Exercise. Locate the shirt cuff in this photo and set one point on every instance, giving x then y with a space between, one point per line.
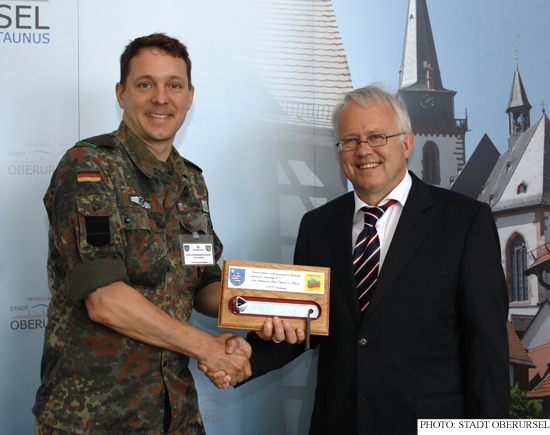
85 278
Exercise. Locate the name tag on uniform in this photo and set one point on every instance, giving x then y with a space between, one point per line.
197 250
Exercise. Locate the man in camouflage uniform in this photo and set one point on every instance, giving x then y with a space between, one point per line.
118 342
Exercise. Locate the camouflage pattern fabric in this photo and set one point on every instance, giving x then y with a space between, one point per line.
115 214
42 429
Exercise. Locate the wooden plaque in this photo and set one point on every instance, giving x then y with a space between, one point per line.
265 290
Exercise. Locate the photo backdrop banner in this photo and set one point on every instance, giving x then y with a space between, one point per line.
259 128
266 74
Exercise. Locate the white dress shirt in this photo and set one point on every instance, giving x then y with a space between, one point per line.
388 222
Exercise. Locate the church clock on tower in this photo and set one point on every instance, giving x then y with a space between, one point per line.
427 101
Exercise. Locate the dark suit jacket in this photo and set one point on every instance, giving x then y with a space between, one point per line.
433 341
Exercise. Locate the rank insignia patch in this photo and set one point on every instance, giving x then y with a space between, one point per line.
139 200
88 176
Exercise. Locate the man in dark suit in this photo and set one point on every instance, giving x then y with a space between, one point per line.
430 340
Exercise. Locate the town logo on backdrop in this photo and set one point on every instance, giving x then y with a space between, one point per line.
39 158
23 22
30 315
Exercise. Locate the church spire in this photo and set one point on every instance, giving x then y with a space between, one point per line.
518 106
419 67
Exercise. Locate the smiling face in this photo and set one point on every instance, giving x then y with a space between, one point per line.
374 172
156 98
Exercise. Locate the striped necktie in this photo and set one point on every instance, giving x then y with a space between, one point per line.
366 255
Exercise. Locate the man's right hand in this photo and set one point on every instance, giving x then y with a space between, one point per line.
281 330
228 363
274 329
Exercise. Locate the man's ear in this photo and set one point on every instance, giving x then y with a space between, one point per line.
119 90
191 95
408 143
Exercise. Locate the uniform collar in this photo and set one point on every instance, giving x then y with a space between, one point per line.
144 159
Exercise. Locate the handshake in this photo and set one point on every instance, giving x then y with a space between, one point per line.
229 362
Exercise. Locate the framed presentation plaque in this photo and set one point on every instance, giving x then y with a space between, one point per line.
252 292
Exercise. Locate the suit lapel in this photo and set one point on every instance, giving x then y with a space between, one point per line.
339 234
411 230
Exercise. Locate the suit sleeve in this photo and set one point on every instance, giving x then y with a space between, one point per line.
268 355
483 307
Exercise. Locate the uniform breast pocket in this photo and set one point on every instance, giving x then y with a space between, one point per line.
144 246
95 222
195 221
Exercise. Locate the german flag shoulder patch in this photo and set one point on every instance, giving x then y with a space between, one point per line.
88 176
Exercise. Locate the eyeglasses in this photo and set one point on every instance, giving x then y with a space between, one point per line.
374 140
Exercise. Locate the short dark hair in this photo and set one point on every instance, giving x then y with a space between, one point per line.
157 40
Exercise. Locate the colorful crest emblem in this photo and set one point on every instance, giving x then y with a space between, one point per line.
186 248
236 276
314 283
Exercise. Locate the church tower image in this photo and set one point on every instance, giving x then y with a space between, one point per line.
518 108
518 191
439 151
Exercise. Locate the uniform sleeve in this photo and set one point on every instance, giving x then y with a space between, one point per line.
86 237
210 275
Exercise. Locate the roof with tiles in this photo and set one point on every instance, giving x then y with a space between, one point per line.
525 164
478 167
541 390
518 354
518 96
521 322
540 356
298 55
537 333
419 54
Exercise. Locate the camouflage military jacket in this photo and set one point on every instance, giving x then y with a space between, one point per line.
115 214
